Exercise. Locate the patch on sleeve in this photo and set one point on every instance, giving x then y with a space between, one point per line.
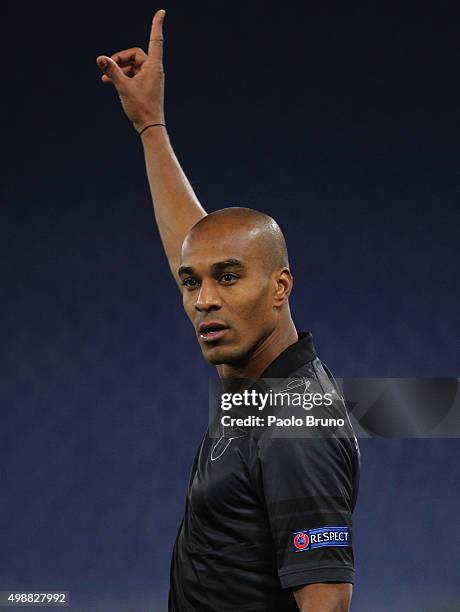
331 535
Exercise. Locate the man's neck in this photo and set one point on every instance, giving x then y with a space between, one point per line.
268 350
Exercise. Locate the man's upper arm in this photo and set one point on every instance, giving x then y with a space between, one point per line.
329 597
309 489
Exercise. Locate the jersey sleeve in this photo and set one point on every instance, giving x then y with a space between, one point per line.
308 488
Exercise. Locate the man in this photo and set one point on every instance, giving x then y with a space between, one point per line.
267 525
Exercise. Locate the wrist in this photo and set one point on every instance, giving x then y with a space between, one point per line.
154 136
140 124
151 127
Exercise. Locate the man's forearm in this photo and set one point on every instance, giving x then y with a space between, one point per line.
175 204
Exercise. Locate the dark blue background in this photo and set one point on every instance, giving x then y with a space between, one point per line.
342 122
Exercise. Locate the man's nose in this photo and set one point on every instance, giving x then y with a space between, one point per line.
208 297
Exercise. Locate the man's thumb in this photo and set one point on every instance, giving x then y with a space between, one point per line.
110 69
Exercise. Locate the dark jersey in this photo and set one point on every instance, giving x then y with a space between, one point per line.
267 514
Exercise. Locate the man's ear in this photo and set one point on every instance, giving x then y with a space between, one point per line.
284 282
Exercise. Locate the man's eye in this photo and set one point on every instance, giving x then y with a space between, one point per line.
228 277
190 283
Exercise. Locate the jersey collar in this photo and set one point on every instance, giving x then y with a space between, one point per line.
292 358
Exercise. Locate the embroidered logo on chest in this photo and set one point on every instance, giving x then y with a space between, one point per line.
224 442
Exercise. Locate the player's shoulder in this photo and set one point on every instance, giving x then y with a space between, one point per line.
313 400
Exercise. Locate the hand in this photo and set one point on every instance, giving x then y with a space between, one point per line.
139 77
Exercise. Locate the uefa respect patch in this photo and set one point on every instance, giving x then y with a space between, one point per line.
331 535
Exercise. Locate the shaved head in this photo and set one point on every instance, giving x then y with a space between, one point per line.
235 280
260 230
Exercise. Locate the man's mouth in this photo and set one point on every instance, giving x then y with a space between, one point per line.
212 331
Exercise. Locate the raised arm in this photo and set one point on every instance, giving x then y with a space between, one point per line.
139 81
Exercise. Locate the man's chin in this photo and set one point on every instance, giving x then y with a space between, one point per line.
219 355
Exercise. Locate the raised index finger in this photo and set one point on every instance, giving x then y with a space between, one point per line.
156 36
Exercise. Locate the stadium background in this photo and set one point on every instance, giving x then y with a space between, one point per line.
342 122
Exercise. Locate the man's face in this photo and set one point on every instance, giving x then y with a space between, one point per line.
228 292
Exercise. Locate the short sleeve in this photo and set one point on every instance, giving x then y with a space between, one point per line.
308 486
